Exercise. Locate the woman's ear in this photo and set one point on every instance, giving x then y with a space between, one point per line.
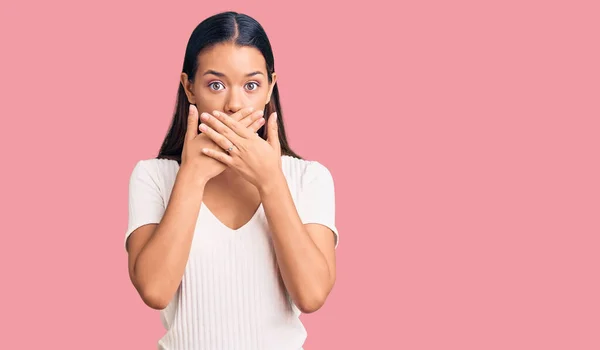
187 87
274 80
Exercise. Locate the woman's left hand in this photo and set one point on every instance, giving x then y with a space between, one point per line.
255 159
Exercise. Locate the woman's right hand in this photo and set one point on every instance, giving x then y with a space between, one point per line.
192 157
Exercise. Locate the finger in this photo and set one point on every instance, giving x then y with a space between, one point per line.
257 125
217 138
234 126
242 113
252 118
192 130
220 156
273 132
215 123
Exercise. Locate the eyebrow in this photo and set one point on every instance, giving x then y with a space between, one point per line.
219 74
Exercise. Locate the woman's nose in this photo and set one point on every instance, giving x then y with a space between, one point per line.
234 103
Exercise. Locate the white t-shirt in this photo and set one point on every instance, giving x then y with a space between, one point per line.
231 295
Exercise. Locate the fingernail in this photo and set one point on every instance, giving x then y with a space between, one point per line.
204 116
275 115
202 127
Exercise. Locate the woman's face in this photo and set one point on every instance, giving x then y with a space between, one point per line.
229 78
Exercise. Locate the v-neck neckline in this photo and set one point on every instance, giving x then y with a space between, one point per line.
248 223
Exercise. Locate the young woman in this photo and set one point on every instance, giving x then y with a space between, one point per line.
231 235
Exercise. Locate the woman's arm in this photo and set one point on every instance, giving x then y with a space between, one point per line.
158 253
305 252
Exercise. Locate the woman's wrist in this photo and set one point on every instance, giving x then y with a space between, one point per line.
273 184
188 173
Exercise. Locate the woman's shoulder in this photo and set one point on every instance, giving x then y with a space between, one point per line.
155 168
304 170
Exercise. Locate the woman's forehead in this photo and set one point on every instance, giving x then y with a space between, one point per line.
231 60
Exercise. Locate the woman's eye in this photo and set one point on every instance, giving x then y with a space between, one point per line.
215 85
255 85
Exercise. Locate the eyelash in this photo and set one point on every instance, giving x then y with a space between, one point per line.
218 82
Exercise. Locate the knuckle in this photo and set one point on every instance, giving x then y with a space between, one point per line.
224 143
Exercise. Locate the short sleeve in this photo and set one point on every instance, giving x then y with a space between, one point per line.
317 198
146 205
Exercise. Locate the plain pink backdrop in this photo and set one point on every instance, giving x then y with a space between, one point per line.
463 138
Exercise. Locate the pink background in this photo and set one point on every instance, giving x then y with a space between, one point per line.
463 138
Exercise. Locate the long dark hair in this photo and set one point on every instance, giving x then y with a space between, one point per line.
242 30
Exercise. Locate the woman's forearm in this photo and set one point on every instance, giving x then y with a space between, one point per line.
303 266
161 264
